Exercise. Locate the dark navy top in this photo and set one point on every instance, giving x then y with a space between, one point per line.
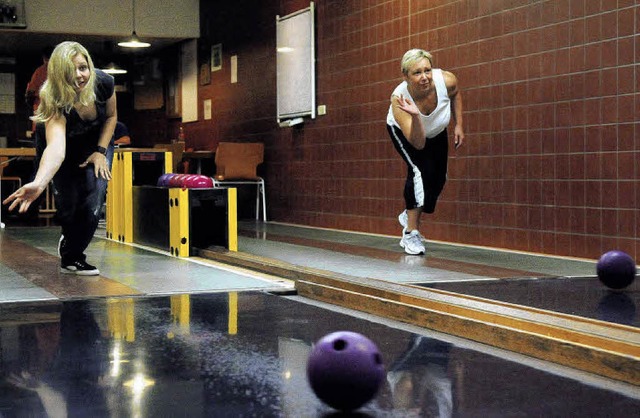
82 136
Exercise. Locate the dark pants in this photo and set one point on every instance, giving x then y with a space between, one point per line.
426 168
79 197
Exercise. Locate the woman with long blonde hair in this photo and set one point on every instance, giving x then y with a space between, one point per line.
74 128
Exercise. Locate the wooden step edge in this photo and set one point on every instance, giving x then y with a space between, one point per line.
523 321
559 315
551 324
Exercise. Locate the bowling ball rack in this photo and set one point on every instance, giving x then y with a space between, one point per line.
176 220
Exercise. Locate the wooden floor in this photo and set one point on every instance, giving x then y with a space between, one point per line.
43 270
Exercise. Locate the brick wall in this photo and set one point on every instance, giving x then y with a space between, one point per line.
552 113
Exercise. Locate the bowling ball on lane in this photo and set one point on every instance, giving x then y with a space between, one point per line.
345 370
616 269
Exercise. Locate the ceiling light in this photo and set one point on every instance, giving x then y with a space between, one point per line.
134 41
113 68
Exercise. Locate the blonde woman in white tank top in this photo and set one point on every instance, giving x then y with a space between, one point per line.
422 107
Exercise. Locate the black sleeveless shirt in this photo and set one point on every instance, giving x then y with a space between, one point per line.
82 136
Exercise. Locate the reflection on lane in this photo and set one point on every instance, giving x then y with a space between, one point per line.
585 296
229 354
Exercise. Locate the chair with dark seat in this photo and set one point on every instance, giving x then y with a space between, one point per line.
15 179
237 164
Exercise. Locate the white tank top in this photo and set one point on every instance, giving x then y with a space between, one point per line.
436 121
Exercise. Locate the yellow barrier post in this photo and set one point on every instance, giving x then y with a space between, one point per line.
232 218
110 198
127 198
114 207
179 222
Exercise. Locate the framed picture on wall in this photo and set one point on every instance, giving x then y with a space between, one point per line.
205 74
204 62
216 57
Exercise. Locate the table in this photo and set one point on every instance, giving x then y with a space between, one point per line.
133 149
17 152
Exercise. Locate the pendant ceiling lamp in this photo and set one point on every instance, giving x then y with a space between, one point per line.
113 68
134 41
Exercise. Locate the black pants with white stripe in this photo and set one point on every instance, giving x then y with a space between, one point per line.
426 168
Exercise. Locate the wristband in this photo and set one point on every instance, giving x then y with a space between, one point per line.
101 150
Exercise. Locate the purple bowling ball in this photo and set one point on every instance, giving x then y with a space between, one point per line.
345 370
616 269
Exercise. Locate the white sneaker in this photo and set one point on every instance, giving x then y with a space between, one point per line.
412 243
403 218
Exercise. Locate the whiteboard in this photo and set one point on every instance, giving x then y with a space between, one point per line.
295 61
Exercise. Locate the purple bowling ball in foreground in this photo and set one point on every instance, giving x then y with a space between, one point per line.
345 370
616 269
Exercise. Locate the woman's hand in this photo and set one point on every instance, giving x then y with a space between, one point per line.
100 165
408 106
24 196
24 380
458 135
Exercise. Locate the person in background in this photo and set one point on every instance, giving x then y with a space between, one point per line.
121 135
39 76
76 120
420 111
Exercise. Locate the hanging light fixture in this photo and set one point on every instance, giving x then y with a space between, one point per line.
134 41
113 68
111 58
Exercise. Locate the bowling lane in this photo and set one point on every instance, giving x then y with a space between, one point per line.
582 296
381 257
244 354
16 288
31 253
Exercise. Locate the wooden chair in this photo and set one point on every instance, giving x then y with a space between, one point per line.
236 164
3 162
177 149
